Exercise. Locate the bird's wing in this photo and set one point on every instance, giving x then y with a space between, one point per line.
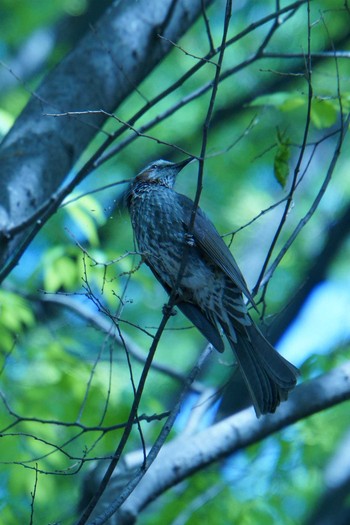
204 325
209 241
197 317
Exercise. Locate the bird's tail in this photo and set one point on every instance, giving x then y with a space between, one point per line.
268 375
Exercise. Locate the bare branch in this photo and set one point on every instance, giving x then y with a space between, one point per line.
298 164
186 455
313 206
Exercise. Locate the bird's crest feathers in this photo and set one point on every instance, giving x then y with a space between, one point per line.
159 172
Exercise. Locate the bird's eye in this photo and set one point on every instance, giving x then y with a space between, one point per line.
154 166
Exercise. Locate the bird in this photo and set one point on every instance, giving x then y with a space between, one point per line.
211 288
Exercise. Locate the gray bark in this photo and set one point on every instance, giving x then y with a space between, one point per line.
99 73
188 454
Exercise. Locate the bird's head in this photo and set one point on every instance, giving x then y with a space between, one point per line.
157 173
161 172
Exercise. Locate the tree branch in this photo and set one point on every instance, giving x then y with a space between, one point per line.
105 324
39 151
187 455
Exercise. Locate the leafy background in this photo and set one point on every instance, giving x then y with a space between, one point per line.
58 369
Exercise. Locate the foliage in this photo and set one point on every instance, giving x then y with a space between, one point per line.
66 382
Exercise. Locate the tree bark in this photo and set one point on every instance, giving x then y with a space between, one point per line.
110 61
187 455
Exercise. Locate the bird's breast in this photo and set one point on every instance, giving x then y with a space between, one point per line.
158 223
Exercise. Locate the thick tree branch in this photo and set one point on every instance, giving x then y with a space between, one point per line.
189 454
39 151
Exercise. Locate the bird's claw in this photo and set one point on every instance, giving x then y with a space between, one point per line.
168 310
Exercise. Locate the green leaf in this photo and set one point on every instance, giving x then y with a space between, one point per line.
61 274
272 99
345 100
15 316
323 113
294 102
60 270
15 312
281 160
285 101
323 110
6 121
87 213
93 207
85 223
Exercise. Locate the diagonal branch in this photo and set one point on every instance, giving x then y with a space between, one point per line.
38 152
187 455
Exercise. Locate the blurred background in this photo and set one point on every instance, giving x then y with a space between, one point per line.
64 372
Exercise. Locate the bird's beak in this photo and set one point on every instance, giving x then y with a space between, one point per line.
180 165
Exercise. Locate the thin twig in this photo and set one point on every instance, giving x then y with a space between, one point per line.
312 208
128 489
207 28
298 164
129 425
171 302
33 494
100 156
